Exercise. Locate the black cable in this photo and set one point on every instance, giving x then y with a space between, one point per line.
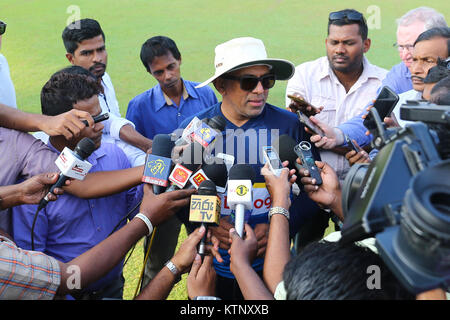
125 217
32 227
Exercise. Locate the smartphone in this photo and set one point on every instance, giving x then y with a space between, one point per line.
271 157
384 104
311 126
351 144
302 102
99 118
303 151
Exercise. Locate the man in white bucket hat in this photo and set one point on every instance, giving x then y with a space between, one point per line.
243 76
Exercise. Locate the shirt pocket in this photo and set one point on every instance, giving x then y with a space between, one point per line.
328 114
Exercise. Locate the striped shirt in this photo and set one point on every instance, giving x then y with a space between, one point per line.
26 275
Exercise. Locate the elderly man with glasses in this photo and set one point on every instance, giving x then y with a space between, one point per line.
410 26
341 83
7 91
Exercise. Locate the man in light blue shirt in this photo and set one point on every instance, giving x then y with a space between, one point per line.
7 91
161 110
67 228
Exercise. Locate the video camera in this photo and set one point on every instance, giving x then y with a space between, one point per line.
402 198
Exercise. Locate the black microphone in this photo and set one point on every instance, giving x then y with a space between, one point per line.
205 208
217 173
161 150
82 151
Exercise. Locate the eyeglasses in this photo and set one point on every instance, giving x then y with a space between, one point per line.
407 47
2 27
340 15
249 82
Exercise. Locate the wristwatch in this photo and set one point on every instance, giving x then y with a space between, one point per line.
173 268
278 210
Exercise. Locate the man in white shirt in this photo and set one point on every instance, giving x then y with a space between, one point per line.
84 41
343 82
7 91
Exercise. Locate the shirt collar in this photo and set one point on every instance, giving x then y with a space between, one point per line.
92 159
163 100
369 71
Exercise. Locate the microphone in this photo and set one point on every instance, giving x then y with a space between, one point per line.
239 195
209 129
187 132
191 160
158 163
205 208
72 165
216 172
285 146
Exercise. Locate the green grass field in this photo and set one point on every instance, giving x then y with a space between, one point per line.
293 30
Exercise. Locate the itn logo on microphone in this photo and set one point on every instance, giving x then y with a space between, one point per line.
241 190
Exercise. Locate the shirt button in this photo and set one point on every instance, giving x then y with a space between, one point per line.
98 229
179 114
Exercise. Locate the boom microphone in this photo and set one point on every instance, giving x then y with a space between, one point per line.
158 163
239 195
72 165
205 208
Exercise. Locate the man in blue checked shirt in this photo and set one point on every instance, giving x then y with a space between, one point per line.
161 110
71 226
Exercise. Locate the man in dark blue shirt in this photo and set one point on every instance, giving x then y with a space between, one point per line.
243 78
161 109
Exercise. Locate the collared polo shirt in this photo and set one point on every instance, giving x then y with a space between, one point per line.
7 91
154 113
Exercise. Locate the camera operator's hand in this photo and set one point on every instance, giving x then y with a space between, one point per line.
333 136
158 208
279 187
308 110
328 194
201 280
357 157
68 124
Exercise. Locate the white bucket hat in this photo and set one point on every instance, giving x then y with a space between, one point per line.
243 52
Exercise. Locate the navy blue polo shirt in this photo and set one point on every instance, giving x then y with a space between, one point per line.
245 144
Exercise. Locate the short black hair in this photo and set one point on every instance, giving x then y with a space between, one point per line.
435 33
156 47
332 271
440 94
438 72
64 89
78 31
363 30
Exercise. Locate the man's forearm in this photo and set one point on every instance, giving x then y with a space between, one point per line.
9 196
129 135
99 260
105 183
16 119
160 286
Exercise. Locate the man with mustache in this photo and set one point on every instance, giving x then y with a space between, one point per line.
69 227
342 82
84 41
429 46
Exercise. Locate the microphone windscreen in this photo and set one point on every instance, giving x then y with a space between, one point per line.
162 145
207 188
192 156
217 172
242 171
218 122
285 147
84 148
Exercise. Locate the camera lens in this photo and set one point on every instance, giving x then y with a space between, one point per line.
352 183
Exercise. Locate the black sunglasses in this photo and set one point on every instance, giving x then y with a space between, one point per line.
249 82
340 15
2 27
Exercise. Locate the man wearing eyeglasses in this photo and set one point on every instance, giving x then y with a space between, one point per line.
243 77
342 82
7 91
410 26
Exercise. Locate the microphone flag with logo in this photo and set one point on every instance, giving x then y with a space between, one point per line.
158 164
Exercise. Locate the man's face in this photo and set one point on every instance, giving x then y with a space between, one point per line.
245 104
92 106
166 70
406 36
345 48
91 54
424 57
